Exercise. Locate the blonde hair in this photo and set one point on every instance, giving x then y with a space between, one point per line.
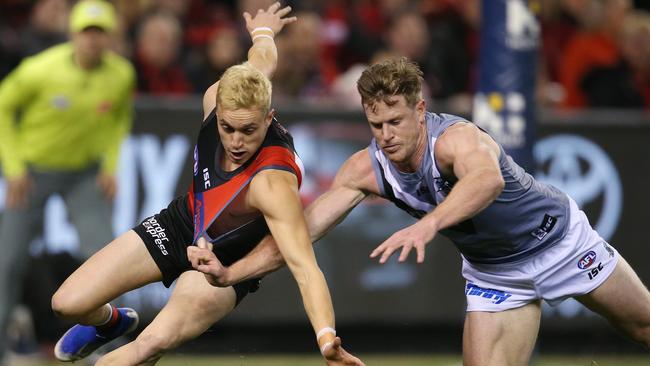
243 86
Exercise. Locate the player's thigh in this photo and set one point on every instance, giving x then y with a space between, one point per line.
623 300
121 266
193 307
504 338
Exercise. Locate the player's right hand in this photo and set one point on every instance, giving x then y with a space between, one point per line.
336 355
206 262
18 189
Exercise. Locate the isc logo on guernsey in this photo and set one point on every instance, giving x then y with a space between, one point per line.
157 233
587 260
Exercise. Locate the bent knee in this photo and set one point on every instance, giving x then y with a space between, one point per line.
69 305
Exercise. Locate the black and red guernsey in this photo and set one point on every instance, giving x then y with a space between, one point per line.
213 189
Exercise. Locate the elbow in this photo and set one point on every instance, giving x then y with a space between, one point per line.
497 184
305 275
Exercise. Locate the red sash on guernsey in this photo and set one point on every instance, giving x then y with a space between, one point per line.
212 190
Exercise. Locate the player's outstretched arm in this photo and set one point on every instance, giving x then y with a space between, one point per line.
263 54
471 156
263 27
275 194
353 182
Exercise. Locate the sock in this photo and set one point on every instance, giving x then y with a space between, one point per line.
110 323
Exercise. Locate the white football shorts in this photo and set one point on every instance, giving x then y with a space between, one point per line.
574 266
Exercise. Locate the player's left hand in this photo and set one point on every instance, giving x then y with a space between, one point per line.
205 261
108 185
415 236
273 17
336 355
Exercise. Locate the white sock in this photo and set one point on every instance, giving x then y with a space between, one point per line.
110 315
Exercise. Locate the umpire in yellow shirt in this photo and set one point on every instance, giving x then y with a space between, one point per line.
63 115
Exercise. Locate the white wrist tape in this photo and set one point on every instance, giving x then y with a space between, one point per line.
262 36
261 29
325 331
325 347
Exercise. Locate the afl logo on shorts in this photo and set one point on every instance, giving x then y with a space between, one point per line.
587 260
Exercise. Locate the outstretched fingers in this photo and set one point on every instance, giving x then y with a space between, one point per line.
274 7
385 249
284 11
289 20
392 244
420 252
405 252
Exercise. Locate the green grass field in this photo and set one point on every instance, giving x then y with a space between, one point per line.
370 360
396 360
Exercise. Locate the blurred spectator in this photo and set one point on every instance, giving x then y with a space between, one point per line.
560 20
63 115
627 83
592 48
223 50
302 73
157 56
365 23
407 35
344 88
47 26
446 52
578 36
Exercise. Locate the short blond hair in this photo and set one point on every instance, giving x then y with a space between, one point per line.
243 86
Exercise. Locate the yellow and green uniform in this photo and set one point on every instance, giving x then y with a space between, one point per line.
56 116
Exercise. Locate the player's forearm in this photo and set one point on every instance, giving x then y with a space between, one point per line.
316 298
263 54
321 216
470 195
262 260
329 210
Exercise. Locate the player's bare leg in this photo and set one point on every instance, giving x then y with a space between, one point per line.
193 307
121 266
503 338
624 301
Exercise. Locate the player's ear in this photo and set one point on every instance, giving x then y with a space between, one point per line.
269 117
421 108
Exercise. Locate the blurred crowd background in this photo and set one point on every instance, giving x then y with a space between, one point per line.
595 53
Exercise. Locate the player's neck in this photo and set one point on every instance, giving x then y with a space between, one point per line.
413 164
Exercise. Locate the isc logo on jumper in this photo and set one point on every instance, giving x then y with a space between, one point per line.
488 293
587 260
